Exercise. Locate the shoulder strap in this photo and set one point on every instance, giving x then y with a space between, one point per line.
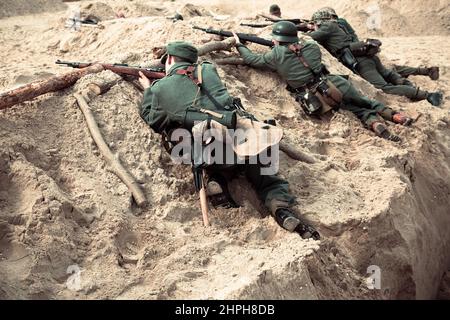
296 48
190 73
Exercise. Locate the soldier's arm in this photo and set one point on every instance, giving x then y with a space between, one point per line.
265 60
151 112
320 35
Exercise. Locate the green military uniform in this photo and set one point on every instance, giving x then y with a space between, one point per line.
286 63
334 39
403 71
167 101
348 29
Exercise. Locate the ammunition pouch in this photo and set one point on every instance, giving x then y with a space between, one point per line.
225 118
359 49
367 48
319 98
347 58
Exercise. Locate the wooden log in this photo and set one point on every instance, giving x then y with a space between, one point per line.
101 87
209 47
296 154
114 163
226 44
35 89
230 61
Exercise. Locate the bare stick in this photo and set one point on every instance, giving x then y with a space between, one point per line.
112 161
209 47
230 60
226 44
204 202
296 154
35 89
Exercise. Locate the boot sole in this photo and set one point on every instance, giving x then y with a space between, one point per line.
291 223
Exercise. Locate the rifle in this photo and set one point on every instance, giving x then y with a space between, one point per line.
119 68
244 37
303 27
255 25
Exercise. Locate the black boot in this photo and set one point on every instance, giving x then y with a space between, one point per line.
435 98
382 131
287 220
433 73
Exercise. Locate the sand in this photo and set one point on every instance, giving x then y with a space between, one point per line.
69 227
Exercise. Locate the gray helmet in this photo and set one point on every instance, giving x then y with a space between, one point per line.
321 15
274 9
330 11
285 31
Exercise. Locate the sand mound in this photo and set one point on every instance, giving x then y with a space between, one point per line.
10 8
69 228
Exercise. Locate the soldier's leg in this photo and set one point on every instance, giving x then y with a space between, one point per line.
390 75
406 71
371 112
274 192
271 189
367 69
364 108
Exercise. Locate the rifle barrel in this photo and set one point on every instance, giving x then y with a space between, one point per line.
245 37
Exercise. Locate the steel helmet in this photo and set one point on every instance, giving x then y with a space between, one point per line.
285 31
330 11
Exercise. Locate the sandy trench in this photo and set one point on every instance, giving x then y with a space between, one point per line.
62 210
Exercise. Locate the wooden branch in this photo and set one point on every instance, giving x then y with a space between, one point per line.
209 47
101 87
226 44
35 89
296 154
229 61
112 161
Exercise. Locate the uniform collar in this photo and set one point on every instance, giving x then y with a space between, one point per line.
178 65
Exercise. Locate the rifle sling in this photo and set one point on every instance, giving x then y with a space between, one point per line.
190 73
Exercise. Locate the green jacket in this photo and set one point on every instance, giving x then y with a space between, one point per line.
289 67
348 29
332 37
167 100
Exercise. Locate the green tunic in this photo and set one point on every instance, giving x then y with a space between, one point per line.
167 100
282 60
164 108
404 71
348 29
334 38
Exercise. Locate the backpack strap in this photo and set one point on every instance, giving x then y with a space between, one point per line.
296 48
198 81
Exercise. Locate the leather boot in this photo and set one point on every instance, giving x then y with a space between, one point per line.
402 119
382 131
435 98
288 221
433 73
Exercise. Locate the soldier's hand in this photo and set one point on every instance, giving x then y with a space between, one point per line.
238 41
144 81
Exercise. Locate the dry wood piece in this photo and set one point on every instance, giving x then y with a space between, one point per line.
101 87
226 44
35 89
112 161
209 47
296 154
230 60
